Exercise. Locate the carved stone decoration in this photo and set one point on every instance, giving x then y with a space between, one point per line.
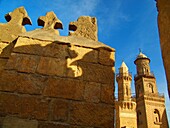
50 21
85 26
16 21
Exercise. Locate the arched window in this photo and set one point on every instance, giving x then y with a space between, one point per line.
151 88
126 90
128 106
156 116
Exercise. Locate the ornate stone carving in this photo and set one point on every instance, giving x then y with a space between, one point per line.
16 21
50 21
85 26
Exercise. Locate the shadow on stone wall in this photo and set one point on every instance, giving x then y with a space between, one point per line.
55 83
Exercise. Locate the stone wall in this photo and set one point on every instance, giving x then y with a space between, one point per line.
53 81
164 33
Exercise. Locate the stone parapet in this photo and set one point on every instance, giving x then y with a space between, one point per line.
54 81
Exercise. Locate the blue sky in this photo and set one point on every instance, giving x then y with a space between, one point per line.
124 25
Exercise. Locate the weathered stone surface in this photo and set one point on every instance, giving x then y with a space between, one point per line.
106 57
24 106
34 108
14 122
96 72
85 26
89 114
50 21
9 104
6 49
16 19
64 88
42 48
60 110
107 93
52 66
83 54
22 83
52 125
49 35
2 47
23 62
80 127
56 80
164 33
92 92
79 54
30 46
2 63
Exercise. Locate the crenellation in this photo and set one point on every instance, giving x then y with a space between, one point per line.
50 21
16 19
85 26
48 80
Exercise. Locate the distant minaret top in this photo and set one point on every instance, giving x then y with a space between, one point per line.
123 68
142 64
141 55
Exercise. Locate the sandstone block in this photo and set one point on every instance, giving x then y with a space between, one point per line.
83 54
51 66
34 108
6 49
94 115
52 125
9 104
96 72
42 48
8 81
92 92
60 110
106 57
27 107
3 63
1 121
14 122
30 84
79 54
80 127
17 19
85 26
107 93
64 88
3 46
30 46
22 83
22 62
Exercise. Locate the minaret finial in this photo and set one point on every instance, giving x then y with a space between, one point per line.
140 50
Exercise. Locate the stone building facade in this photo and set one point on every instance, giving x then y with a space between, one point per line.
126 105
151 112
53 81
164 33
147 109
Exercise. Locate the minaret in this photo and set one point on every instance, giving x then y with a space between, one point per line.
125 106
150 104
124 79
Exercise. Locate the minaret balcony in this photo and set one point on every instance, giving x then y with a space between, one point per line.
131 98
124 74
160 95
150 74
